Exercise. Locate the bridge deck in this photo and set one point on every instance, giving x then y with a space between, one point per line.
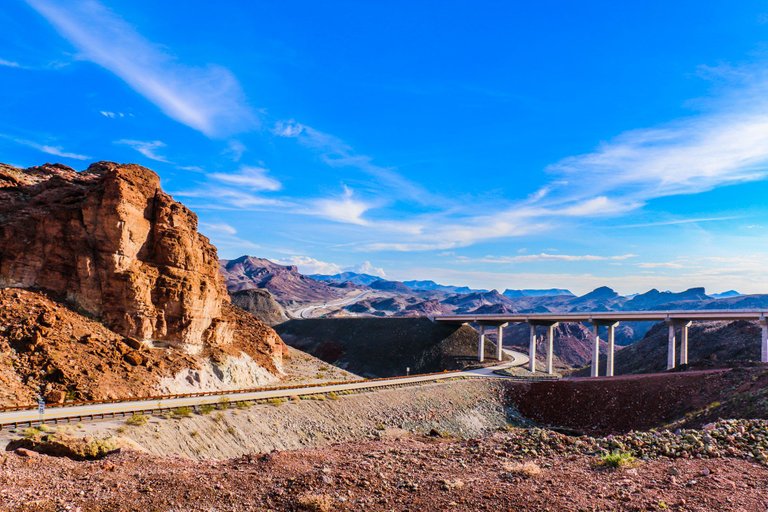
614 316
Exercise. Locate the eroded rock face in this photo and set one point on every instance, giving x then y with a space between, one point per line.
109 240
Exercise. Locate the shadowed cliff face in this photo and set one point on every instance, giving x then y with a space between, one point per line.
109 240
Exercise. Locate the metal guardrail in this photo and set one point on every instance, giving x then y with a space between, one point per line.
16 408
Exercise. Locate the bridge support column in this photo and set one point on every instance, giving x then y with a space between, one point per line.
595 371
532 349
684 341
671 342
611 348
550 347
500 342
764 340
481 345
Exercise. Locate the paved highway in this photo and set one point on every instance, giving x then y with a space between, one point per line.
108 409
306 312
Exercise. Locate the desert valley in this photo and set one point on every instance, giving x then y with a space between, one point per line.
383 256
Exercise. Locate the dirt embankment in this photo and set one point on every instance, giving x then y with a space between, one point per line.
464 408
641 402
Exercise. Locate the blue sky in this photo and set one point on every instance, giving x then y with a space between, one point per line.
493 144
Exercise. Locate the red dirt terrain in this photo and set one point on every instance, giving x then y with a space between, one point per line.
408 474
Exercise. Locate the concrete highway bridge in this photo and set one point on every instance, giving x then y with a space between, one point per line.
676 320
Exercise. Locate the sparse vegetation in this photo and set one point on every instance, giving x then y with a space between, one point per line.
218 417
315 503
181 412
616 460
333 396
137 420
223 404
206 409
242 405
276 401
524 469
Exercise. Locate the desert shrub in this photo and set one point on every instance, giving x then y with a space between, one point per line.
194 433
333 396
137 420
223 404
524 469
276 401
30 433
181 412
206 409
218 417
616 459
231 430
242 405
315 503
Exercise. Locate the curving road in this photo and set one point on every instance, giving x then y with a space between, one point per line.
115 408
306 312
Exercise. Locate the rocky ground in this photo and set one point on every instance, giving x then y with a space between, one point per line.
510 470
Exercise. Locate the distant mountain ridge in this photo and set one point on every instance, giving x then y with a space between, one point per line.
537 293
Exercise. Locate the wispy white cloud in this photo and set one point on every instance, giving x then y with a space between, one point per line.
254 178
9 64
114 115
345 208
309 265
224 198
148 148
337 153
225 239
46 148
218 228
676 222
235 149
367 267
208 99
528 258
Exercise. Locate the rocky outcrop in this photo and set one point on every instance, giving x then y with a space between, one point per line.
107 290
261 304
109 240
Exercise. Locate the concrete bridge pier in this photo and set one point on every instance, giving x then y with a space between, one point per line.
532 349
671 342
500 341
481 344
684 341
764 344
550 347
549 341
595 371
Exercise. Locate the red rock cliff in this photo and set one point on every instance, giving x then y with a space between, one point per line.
109 240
